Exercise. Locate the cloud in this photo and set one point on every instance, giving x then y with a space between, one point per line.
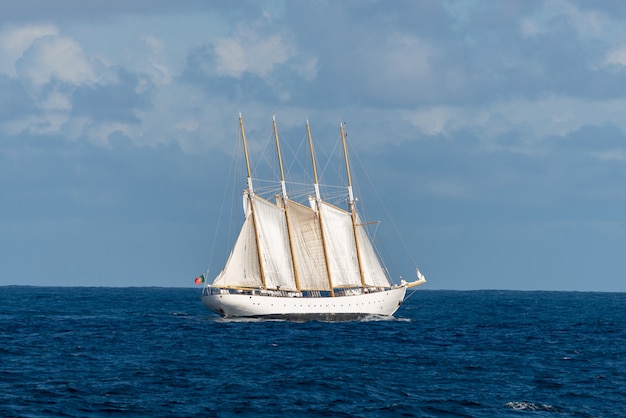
15 40
55 57
150 60
540 48
521 126
251 52
612 155
71 93
541 59
257 63
616 57
47 66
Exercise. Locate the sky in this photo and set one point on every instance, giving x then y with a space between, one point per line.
494 132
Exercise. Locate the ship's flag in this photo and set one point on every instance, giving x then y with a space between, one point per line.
200 279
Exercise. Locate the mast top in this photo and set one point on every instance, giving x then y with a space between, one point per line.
316 185
280 159
345 154
245 150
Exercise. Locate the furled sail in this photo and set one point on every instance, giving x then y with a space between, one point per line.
306 240
339 238
373 272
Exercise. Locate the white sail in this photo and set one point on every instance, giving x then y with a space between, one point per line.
339 238
242 268
373 272
274 244
306 240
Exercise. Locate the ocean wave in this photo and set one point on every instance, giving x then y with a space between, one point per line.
531 406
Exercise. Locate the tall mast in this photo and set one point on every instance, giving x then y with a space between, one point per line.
317 186
251 201
319 211
351 203
284 198
245 151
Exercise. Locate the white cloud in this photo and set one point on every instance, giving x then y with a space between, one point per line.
188 125
595 29
56 101
251 52
616 57
15 40
154 63
231 58
34 55
531 121
559 116
57 57
613 155
431 121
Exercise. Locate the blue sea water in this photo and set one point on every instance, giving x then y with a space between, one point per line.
159 352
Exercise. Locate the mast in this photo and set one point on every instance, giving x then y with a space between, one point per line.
284 198
351 203
251 200
317 186
319 212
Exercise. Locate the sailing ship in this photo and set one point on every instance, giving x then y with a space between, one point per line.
296 260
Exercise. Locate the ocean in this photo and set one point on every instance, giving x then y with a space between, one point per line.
91 352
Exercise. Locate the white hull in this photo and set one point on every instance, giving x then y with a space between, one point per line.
384 303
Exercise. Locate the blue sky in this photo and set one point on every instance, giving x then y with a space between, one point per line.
494 131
